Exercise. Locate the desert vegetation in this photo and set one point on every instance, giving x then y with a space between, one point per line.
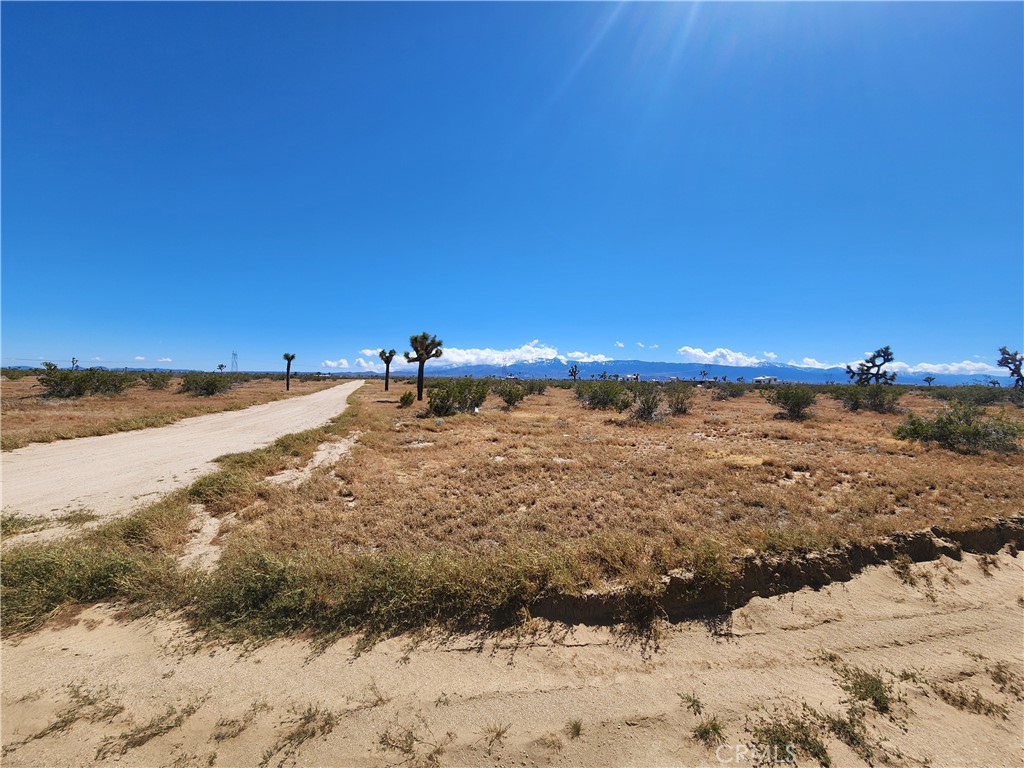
485 513
149 399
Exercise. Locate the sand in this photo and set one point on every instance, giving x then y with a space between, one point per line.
223 706
113 474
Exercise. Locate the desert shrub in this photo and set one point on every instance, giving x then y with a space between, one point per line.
679 396
964 428
206 384
727 389
880 398
13 374
448 396
156 379
647 400
510 392
604 394
535 387
793 399
93 381
406 400
975 394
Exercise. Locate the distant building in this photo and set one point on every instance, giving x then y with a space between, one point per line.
765 380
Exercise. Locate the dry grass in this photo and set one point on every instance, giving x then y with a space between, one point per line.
465 522
30 418
624 496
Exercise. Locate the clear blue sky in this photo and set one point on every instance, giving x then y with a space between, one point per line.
812 180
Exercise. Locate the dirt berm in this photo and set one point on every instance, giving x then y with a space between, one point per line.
684 595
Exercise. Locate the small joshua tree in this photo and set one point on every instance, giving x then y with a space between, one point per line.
386 358
574 372
871 370
928 380
288 357
426 348
221 367
1012 361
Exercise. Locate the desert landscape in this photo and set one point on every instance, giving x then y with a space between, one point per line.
522 384
541 583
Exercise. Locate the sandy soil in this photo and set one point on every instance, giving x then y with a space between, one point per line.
113 474
97 691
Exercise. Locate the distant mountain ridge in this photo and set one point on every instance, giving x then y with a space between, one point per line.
648 370
663 371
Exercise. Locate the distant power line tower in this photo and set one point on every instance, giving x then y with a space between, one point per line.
234 362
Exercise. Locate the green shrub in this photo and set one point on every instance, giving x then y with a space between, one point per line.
448 396
156 379
406 400
13 374
880 398
726 390
604 395
793 399
535 387
93 381
206 384
647 400
964 428
976 394
510 392
679 396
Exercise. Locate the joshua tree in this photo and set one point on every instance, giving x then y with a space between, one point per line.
870 370
288 357
574 372
928 380
1012 361
221 367
386 358
426 348
74 363
704 375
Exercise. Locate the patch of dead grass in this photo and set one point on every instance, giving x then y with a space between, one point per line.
630 496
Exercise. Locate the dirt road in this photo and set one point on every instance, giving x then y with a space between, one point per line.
947 648
113 474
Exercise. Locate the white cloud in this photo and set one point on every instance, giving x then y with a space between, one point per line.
619 344
966 368
770 356
528 353
341 362
653 346
369 352
640 344
97 359
810 362
165 360
139 357
720 356
584 357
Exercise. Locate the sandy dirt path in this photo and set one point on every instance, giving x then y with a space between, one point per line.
113 474
99 691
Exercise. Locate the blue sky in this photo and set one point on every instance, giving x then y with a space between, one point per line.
713 182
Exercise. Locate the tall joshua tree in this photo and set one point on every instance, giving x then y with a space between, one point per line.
288 357
871 369
426 348
928 380
386 358
574 372
1012 361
